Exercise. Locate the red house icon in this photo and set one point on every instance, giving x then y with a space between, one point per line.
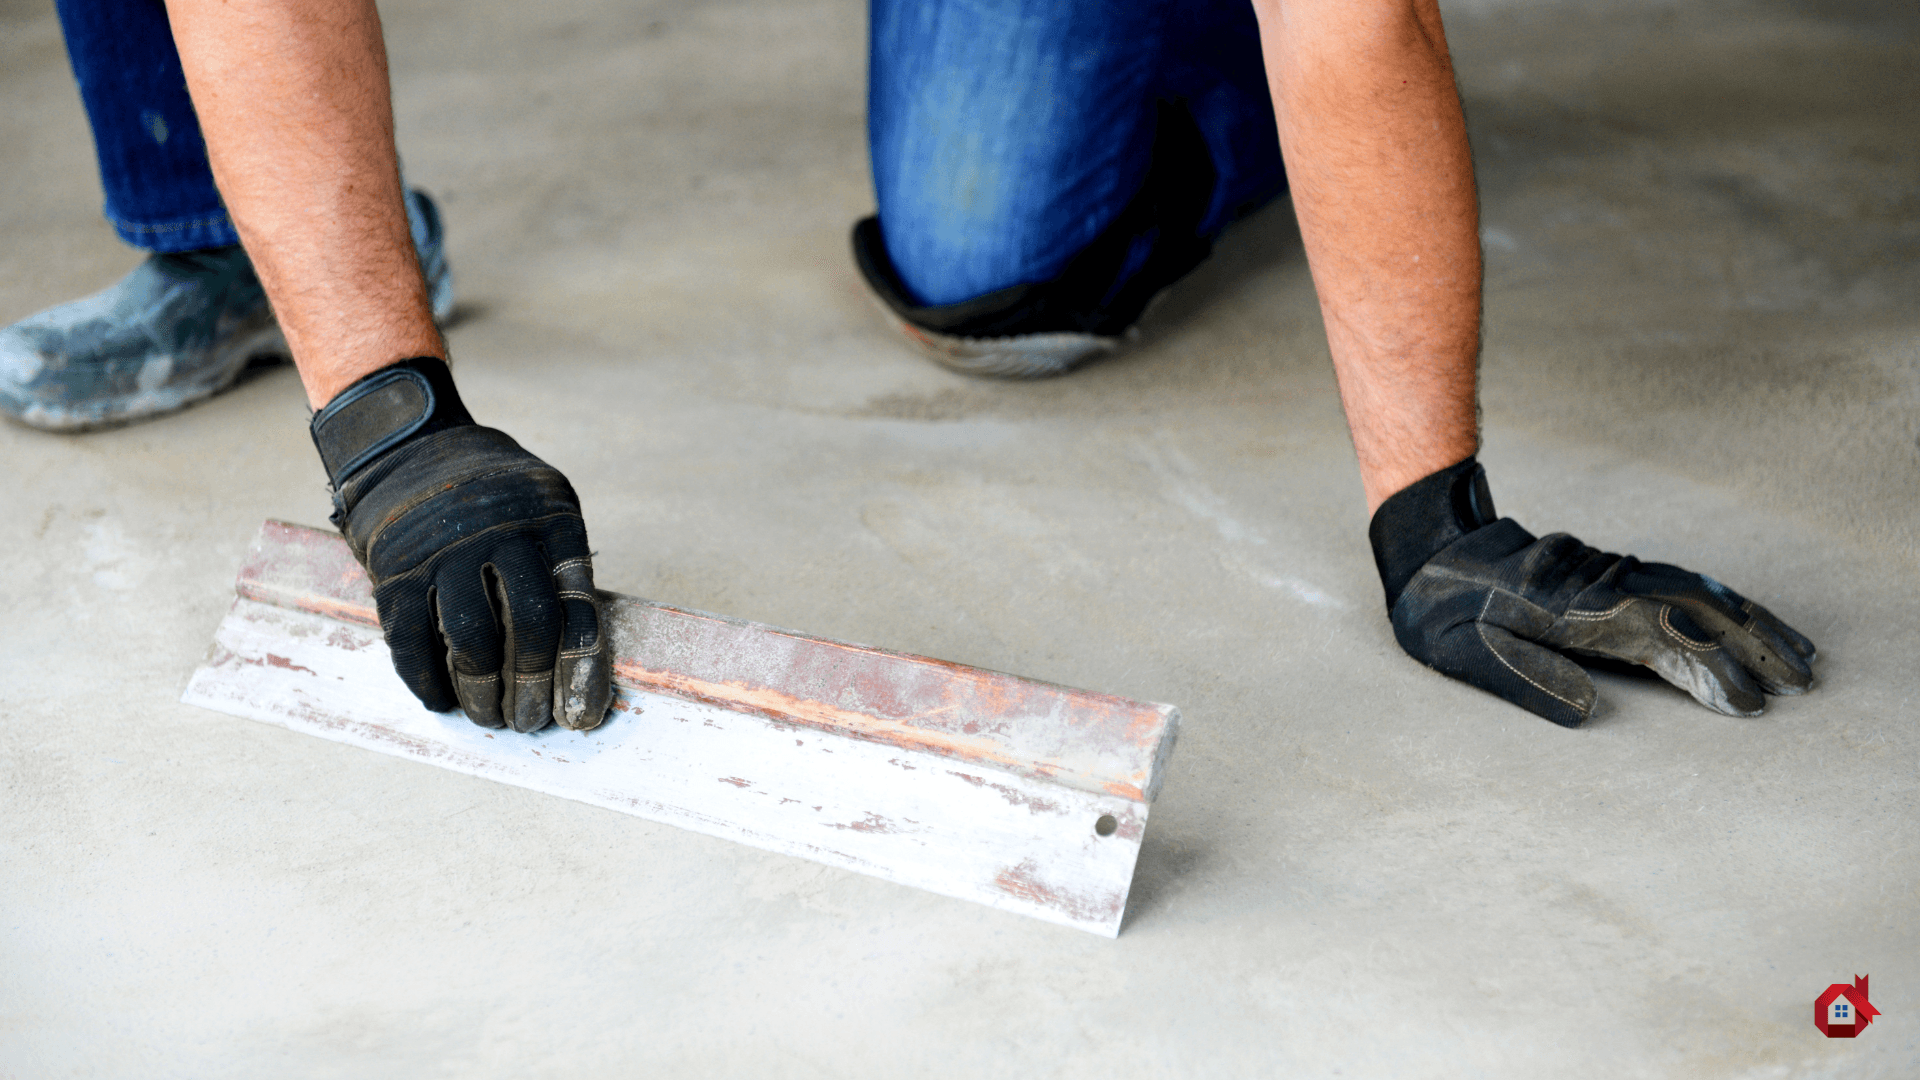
1843 1011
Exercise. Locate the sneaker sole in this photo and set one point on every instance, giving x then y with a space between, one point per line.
1024 356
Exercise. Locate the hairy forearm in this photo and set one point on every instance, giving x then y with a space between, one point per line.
293 98
1382 180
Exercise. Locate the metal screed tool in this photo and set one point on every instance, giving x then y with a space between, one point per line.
1018 794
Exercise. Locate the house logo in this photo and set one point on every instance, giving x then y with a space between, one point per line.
1843 1011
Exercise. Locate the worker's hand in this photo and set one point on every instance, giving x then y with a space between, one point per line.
476 549
1479 598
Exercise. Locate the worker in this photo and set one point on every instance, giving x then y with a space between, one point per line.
1042 171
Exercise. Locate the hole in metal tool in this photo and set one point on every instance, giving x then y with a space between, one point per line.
1106 825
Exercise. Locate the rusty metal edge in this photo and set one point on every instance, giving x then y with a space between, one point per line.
1152 727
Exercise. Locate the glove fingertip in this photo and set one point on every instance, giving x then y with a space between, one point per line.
531 707
434 698
1800 642
583 676
1737 697
1795 680
480 697
1566 715
1706 671
1535 677
416 655
1558 707
1528 674
582 692
1717 691
1728 706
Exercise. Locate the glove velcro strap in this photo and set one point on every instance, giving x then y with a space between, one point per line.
383 410
1420 520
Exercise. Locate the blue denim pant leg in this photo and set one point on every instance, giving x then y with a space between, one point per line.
153 160
1006 136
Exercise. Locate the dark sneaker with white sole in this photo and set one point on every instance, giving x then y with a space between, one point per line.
1007 333
1095 303
181 327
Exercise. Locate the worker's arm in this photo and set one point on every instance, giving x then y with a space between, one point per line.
476 548
1376 151
293 98
1382 181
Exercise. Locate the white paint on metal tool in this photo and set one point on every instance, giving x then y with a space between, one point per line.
1005 818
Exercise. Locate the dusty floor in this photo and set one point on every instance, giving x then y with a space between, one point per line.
1703 227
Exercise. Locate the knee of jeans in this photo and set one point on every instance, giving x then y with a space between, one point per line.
964 199
948 251
973 135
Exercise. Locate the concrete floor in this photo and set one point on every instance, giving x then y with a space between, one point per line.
1703 224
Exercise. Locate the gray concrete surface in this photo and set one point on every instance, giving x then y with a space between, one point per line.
1702 223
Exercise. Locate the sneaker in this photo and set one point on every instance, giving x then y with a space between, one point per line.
1004 334
181 327
1094 305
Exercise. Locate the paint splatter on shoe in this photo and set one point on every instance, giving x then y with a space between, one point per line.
178 329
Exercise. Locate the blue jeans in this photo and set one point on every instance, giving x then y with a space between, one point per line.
1005 136
1008 135
153 161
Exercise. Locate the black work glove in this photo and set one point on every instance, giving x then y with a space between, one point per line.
476 549
1479 598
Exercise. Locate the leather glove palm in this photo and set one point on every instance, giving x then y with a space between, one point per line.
476 549
1481 599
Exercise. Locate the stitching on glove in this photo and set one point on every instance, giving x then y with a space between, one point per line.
1480 627
1666 610
1592 616
584 650
535 677
572 594
568 564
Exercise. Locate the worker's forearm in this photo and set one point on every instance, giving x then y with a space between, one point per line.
293 98
1382 179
